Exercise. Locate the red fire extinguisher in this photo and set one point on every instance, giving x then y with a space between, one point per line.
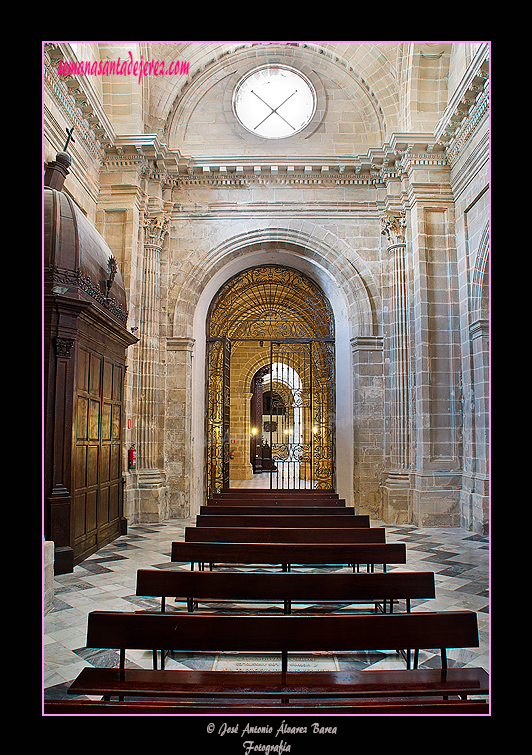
132 458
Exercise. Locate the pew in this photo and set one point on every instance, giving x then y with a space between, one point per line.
286 588
190 708
278 492
284 535
281 634
250 501
287 522
291 553
280 510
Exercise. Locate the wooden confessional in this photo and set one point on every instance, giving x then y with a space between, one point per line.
85 342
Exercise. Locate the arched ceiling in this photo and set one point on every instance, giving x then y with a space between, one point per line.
375 63
366 92
359 84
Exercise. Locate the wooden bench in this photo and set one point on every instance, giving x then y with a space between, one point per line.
353 708
249 501
379 589
286 522
277 492
277 511
284 535
281 634
288 554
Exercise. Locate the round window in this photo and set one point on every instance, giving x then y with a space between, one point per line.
274 101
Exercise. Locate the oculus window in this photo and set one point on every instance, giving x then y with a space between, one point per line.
274 101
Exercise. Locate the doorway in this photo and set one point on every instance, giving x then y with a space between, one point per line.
270 329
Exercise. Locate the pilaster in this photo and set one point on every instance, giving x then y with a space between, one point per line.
132 216
178 432
119 220
475 495
436 402
153 488
368 409
396 494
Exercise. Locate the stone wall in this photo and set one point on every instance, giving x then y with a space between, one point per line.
464 129
388 213
396 305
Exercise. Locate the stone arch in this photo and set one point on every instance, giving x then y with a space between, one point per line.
280 315
345 280
327 260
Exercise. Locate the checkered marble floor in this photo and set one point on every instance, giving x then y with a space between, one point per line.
107 581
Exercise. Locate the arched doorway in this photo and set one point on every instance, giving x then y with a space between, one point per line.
276 322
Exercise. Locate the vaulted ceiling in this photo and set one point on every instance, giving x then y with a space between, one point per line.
367 91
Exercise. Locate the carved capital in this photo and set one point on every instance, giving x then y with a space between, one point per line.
63 347
394 228
156 229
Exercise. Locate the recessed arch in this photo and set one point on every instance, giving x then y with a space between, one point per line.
281 315
354 301
341 273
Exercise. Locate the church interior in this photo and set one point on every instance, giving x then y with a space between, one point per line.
265 283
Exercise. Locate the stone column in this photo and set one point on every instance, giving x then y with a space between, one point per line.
396 485
153 490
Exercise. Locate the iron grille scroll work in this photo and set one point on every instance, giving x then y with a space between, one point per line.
283 319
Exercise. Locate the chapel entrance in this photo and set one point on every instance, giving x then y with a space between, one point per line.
270 382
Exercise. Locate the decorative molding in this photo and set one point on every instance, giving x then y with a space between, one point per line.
469 126
412 159
80 108
176 343
467 107
377 167
146 146
301 175
479 329
367 343
54 274
125 161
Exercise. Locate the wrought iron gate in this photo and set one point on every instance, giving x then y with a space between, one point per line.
298 427
281 319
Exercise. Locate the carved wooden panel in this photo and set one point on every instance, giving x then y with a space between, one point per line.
97 468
